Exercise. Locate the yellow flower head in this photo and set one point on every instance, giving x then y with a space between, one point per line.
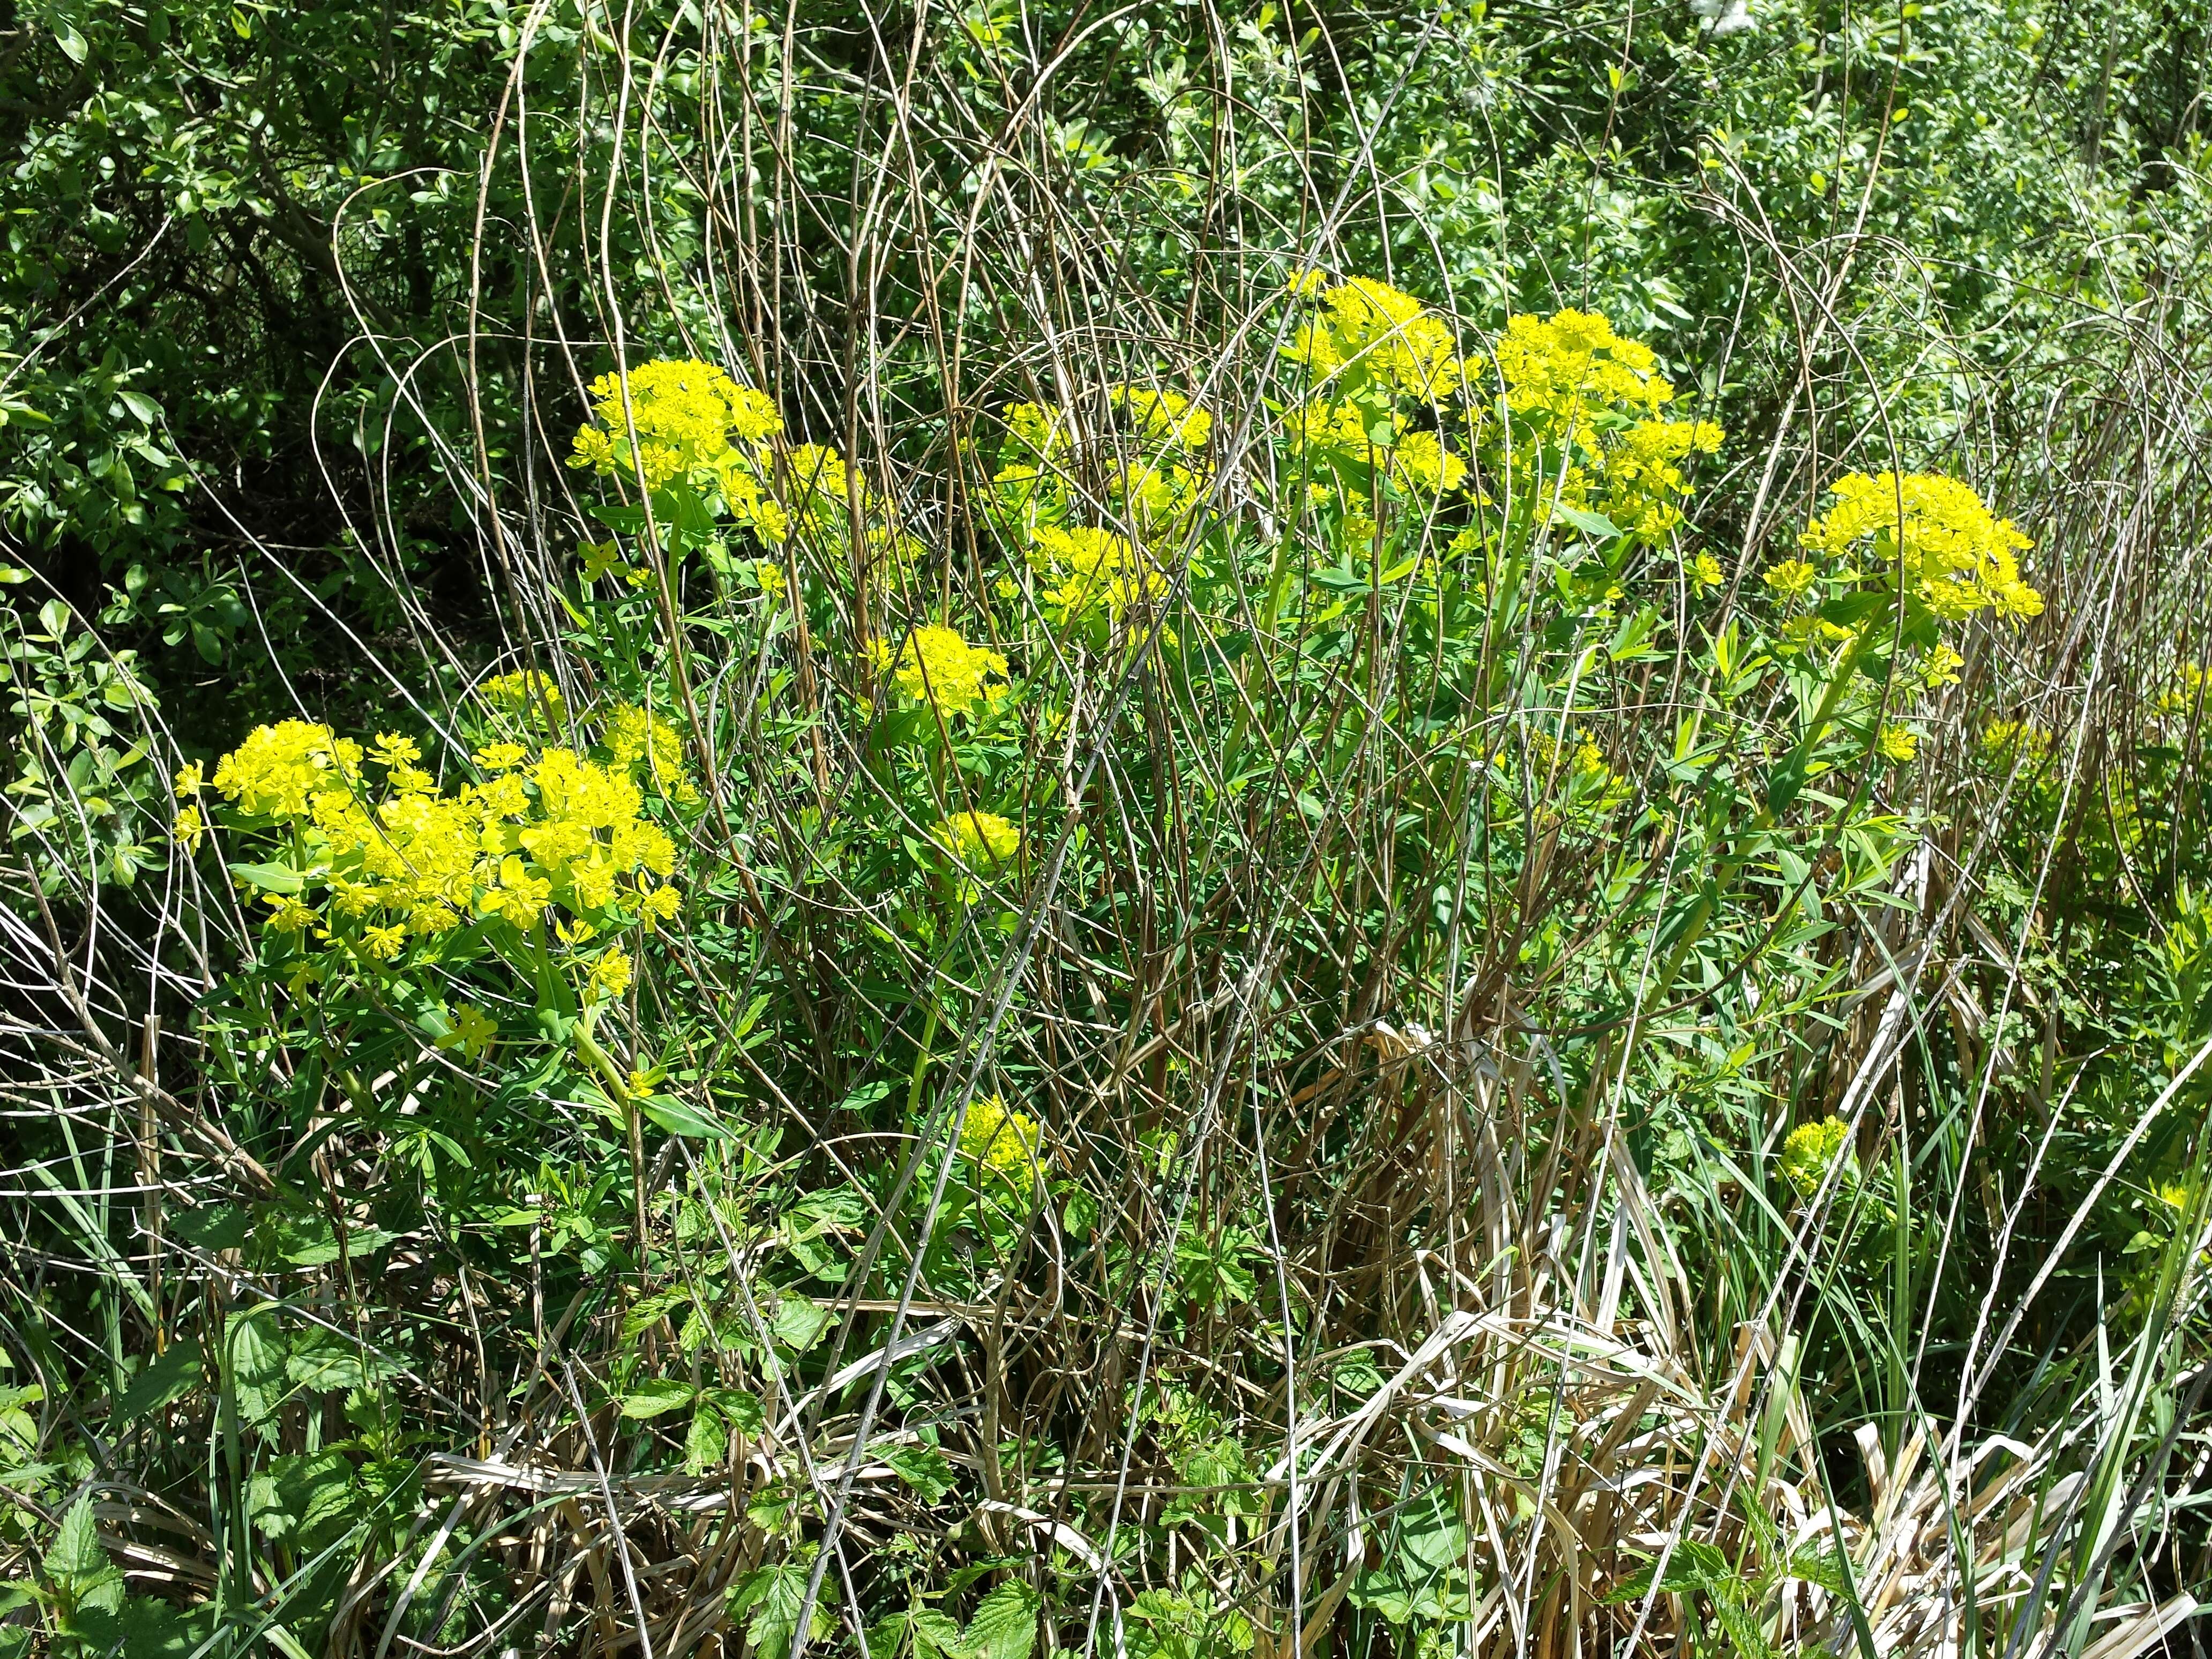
684 415
1094 570
1422 464
526 695
609 976
469 1030
1034 432
1951 553
1368 331
1166 417
501 756
1941 667
1791 578
935 664
1002 1141
1810 1151
1897 744
1706 571
820 481
640 741
978 838
276 771
1564 370
560 829
288 915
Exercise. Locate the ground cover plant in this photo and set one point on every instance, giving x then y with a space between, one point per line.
1168 833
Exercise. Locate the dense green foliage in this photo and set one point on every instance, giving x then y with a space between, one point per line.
1182 833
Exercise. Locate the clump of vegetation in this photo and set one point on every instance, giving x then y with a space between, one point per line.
1084 863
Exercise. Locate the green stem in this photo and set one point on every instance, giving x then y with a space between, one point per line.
618 1087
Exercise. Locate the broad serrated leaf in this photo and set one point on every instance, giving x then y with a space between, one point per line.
76 1552
923 1467
798 1323
256 1354
168 1376
769 1600
706 1442
1005 1623
657 1396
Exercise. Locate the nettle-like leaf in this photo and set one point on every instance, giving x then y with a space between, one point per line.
1004 1625
923 1467
658 1396
1220 1271
255 1354
769 1599
166 1378
77 1569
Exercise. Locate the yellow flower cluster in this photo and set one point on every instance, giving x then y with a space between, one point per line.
693 421
638 739
1595 397
401 859
1036 431
1163 416
1093 571
1420 464
1952 554
279 769
1416 460
1571 367
937 665
684 415
2004 742
1644 482
976 838
1810 1150
2182 696
995 1138
1368 333
526 695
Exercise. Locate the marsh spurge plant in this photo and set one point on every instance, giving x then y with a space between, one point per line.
1424 703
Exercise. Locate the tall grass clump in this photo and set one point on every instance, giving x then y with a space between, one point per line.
1166 898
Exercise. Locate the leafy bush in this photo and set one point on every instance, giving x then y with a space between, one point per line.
1098 855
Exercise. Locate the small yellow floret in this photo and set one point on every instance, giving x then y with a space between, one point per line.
997 1138
1791 578
1810 1151
978 837
936 666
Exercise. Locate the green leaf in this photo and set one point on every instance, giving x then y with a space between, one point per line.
936 1635
769 1599
741 1409
658 1396
925 1469
308 1497
798 1323
680 1118
1005 1624
1692 1567
76 1552
706 1442
270 877
159 1381
256 1352
1590 523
